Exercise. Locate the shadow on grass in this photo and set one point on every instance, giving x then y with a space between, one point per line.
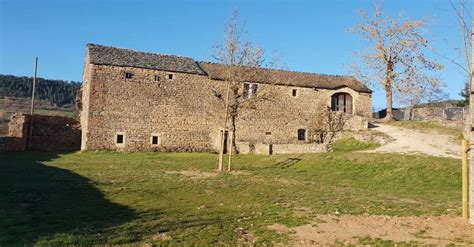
52 205
288 162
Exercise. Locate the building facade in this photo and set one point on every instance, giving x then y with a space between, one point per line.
134 100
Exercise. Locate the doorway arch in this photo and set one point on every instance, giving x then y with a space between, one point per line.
341 102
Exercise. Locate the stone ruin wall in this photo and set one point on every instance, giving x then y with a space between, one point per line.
50 133
185 113
17 137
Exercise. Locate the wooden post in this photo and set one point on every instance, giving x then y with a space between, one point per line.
231 139
32 112
465 201
221 151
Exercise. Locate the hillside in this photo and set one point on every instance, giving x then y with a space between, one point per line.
58 93
53 97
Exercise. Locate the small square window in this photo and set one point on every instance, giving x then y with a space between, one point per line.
128 75
294 92
301 134
155 139
268 133
170 76
119 139
157 78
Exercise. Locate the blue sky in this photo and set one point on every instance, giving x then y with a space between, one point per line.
309 36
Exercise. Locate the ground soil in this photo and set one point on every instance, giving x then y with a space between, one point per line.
412 141
352 229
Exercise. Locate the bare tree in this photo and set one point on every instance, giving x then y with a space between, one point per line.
241 61
464 20
327 124
428 90
396 58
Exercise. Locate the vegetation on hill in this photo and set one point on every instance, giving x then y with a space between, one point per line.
58 92
98 198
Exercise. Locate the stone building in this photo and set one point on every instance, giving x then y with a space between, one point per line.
134 100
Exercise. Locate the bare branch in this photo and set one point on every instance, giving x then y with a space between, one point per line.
396 57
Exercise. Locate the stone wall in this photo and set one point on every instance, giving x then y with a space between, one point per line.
429 113
50 133
298 148
17 137
185 113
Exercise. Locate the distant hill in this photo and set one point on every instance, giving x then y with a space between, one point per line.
57 92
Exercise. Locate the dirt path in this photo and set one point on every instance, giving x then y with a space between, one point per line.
364 229
412 141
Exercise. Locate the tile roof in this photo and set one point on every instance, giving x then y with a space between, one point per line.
107 55
289 78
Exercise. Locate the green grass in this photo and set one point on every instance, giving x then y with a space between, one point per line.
351 144
427 126
123 198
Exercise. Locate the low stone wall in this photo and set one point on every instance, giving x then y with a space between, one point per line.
50 133
16 140
356 123
267 149
299 148
429 113
369 136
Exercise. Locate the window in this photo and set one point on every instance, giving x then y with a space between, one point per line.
294 92
341 102
128 75
155 140
119 138
250 90
268 133
170 76
157 78
301 134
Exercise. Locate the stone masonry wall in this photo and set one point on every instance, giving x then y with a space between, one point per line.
17 137
50 133
185 114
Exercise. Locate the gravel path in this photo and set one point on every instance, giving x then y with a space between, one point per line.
412 141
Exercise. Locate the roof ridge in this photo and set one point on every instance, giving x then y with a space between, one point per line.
146 52
285 70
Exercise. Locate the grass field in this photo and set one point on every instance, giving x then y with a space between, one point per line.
178 198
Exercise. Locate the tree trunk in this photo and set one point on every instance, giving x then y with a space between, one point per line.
233 130
389 116
388 91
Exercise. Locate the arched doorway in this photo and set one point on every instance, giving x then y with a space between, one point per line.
341 102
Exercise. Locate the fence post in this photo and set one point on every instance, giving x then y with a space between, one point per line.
465 206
